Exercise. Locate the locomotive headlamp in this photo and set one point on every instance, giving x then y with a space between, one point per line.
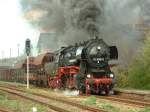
99 47
88 76
111 75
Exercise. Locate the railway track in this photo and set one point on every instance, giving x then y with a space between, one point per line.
33 99
2 110
17 92
127 100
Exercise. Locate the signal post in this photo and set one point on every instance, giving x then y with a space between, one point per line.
27 46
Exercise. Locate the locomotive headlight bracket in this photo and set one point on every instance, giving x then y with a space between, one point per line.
88 76
111 75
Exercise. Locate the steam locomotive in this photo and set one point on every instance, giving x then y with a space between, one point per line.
84 66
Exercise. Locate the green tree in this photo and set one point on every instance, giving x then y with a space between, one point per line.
139 70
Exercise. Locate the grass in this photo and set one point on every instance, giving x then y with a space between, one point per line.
105 106
145 110
90 101
108 107
19 106
36 90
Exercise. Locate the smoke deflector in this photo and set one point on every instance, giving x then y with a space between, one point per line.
113 52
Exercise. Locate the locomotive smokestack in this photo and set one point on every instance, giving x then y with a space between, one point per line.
96 37
76 44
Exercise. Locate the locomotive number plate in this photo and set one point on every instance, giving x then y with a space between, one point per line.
98 59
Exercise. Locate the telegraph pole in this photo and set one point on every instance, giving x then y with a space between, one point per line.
18 49
27 45
2 55
10 53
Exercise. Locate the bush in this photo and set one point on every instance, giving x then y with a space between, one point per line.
122 78
138 73
139 70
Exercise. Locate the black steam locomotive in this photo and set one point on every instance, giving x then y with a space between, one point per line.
85 66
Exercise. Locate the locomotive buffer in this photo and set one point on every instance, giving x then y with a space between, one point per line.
27 46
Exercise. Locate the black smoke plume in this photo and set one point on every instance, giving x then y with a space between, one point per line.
118 22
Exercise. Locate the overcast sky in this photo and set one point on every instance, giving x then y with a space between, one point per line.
14 29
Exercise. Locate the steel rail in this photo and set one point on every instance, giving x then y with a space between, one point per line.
69 102
141 103
58 109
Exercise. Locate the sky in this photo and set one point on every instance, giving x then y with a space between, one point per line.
14 29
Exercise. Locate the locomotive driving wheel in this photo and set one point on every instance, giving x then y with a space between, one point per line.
64 81
106 89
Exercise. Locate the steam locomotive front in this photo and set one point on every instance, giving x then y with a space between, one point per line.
98 54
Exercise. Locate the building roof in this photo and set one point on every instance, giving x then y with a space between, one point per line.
47 42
